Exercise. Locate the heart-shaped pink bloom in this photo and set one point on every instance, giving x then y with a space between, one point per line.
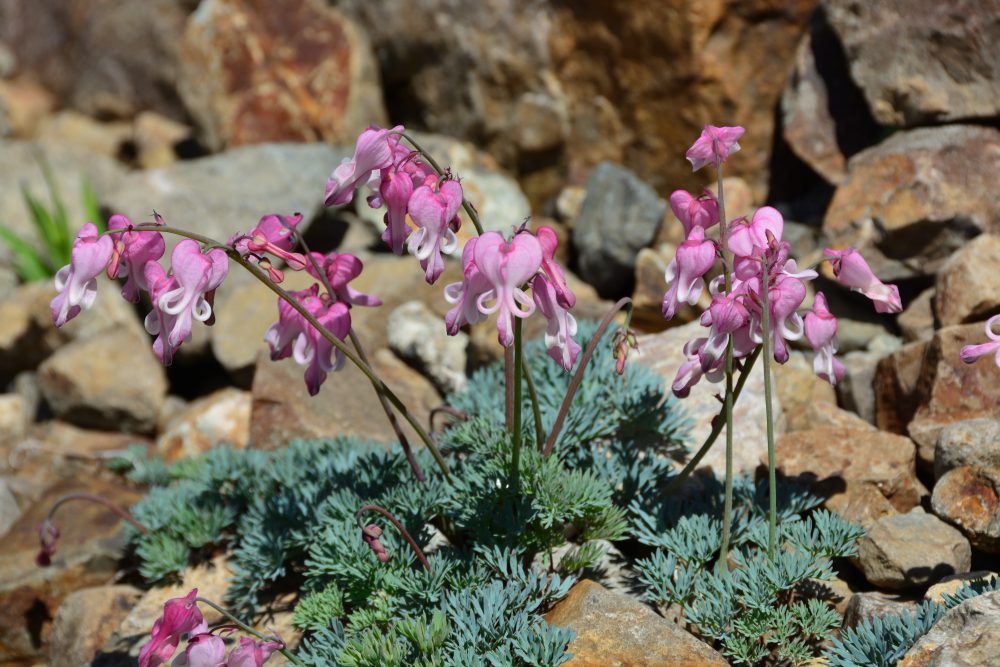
821 331
157 322
251 653
374 151
851 270
685 274
434 210
312 350
273 234
749 238
196 275
204 650
341 269
971 353
465 295
395 190
714 142
507 267
562 325
693 211
725 316
180 616
785 296
132 250
547 240
281 335
77 282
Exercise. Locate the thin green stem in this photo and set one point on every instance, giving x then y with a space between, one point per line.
470 210
508 387
536 411
772 512
251 631
515 457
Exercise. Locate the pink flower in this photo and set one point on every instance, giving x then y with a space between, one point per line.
821 332
371 535
725 316
180 616
747 238
77 282
785 295
714 143
157 322
434 210
273 235
693 212
971 353
691 371
562 325
374 151
196 276
395 190
851 270
340 269
547 240
507 267
281 335
204 650
465 295
252 653
134 248
685 274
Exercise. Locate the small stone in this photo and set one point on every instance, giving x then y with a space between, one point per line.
156 139
220 418
967 636
612 629
969 498
876 604
855 389
540 122
826 414
862 504
916 322
24 104
968 443
968 288
895 386
85 620
569 203
10 511
952 584
800 390
108 381
417 336
620 215
906 551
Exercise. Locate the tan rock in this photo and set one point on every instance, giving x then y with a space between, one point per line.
156 139
925 432
895 386
804 396
417 337
968 285
951 585
73 127
968 443
219 418
614 629
966 635
862 504
23 104
916 322
876 604
85 620
970 499
14 418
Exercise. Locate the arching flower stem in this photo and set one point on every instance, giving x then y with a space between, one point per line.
399 527
470 210
120 511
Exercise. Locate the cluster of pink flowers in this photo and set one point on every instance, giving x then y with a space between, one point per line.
181 616
759 261
496 272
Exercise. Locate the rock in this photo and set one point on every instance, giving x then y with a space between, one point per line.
223 194
895 387
916 322
855 391
73 127
967 443
569 203
254 72
23 105
800 390
663 354
915 198
922 62
14 417
826 414
90 544
968 498
417 337
906 551
347 405
862 504
952 584
833 459
967 636
85 620
620 215
107 381
10 512
968 287
219 418
612 628
115 66
157 138
875 604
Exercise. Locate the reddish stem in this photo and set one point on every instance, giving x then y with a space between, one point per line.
402 531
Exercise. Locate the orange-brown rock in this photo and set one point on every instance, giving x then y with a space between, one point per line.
967 635
613 629
85 620
968 285
862 504
895 387
970 499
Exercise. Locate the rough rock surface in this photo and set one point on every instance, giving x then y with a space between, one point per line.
802 393
922 61
918 196
907 551
916 322
417 335
85 620
219 418
968 285
620 215
875 604
967 636
663 354
969 498
952 584
968 443
253 71
612 628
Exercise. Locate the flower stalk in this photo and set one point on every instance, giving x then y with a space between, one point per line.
772 512
398 526
515 456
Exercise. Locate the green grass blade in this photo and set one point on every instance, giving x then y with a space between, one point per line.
44 223
27 262
91 209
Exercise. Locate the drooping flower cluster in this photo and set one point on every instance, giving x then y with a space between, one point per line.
407 187
496 275
181 617
761 271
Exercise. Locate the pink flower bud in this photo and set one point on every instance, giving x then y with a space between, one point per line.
714 142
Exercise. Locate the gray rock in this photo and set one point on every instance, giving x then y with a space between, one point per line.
906 551
417 335
855 390
967 636
620 215
875 604
922 61
974 442
10 511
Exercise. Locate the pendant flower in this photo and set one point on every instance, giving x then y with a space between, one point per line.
180 616
693 211
821 332
714 142
196 276
77 282
507 267
273 235
434 210
373 152
685 274
851 270
340 269
133 249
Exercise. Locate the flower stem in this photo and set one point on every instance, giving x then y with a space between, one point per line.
508 387
399 526
103 502
772 512
536 411
250 631
515 456
470 210
574 384
336 342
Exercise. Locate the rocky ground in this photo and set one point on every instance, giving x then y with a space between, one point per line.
868 124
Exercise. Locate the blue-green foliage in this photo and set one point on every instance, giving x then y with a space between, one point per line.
882 641
759 609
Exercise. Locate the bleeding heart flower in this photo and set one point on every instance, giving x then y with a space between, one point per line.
134 249
340 269
562 325
851 270
971 353
204 650
252 653
273 235
714 142
196 276
395 190
685 273
821 332
434 210
693 211
747 239
77 282
180 616
374 151
550 267
507 267
465 295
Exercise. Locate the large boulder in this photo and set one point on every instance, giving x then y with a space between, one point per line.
967 636
968 287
